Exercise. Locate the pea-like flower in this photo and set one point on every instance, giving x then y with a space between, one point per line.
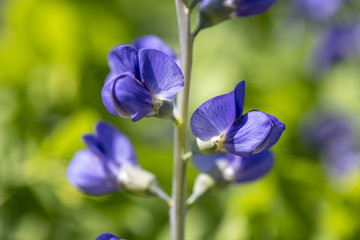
107 236
142 82
220 126
221 169
213 12
109 165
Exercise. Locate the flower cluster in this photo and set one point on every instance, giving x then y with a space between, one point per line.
144 80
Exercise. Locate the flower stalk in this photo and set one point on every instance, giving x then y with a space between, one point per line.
178 208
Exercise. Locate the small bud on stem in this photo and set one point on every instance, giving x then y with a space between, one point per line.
140 182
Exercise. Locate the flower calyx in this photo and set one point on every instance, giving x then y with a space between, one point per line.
138 181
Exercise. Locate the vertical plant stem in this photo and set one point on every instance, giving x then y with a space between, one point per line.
178 208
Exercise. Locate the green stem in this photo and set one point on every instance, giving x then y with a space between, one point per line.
178 207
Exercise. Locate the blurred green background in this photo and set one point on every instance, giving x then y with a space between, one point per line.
52 68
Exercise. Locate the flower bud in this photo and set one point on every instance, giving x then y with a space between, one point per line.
218 178
203 184
213 12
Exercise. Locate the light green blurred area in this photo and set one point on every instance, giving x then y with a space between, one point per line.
53 65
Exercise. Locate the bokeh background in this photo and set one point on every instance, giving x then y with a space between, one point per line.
52 68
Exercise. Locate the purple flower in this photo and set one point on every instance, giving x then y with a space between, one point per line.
215 11
339 43
142 82
110 165
219 125
221 169
234 168
107 236
96 171
319 9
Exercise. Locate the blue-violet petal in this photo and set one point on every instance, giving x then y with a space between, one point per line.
239 95
254 167
94 145
247 134
108 100
205 163
160 74
124 59
277 129
154 42
133 96
117 146
246 8
213 117
86 171
107 236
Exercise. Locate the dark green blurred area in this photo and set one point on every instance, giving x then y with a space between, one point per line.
53 65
